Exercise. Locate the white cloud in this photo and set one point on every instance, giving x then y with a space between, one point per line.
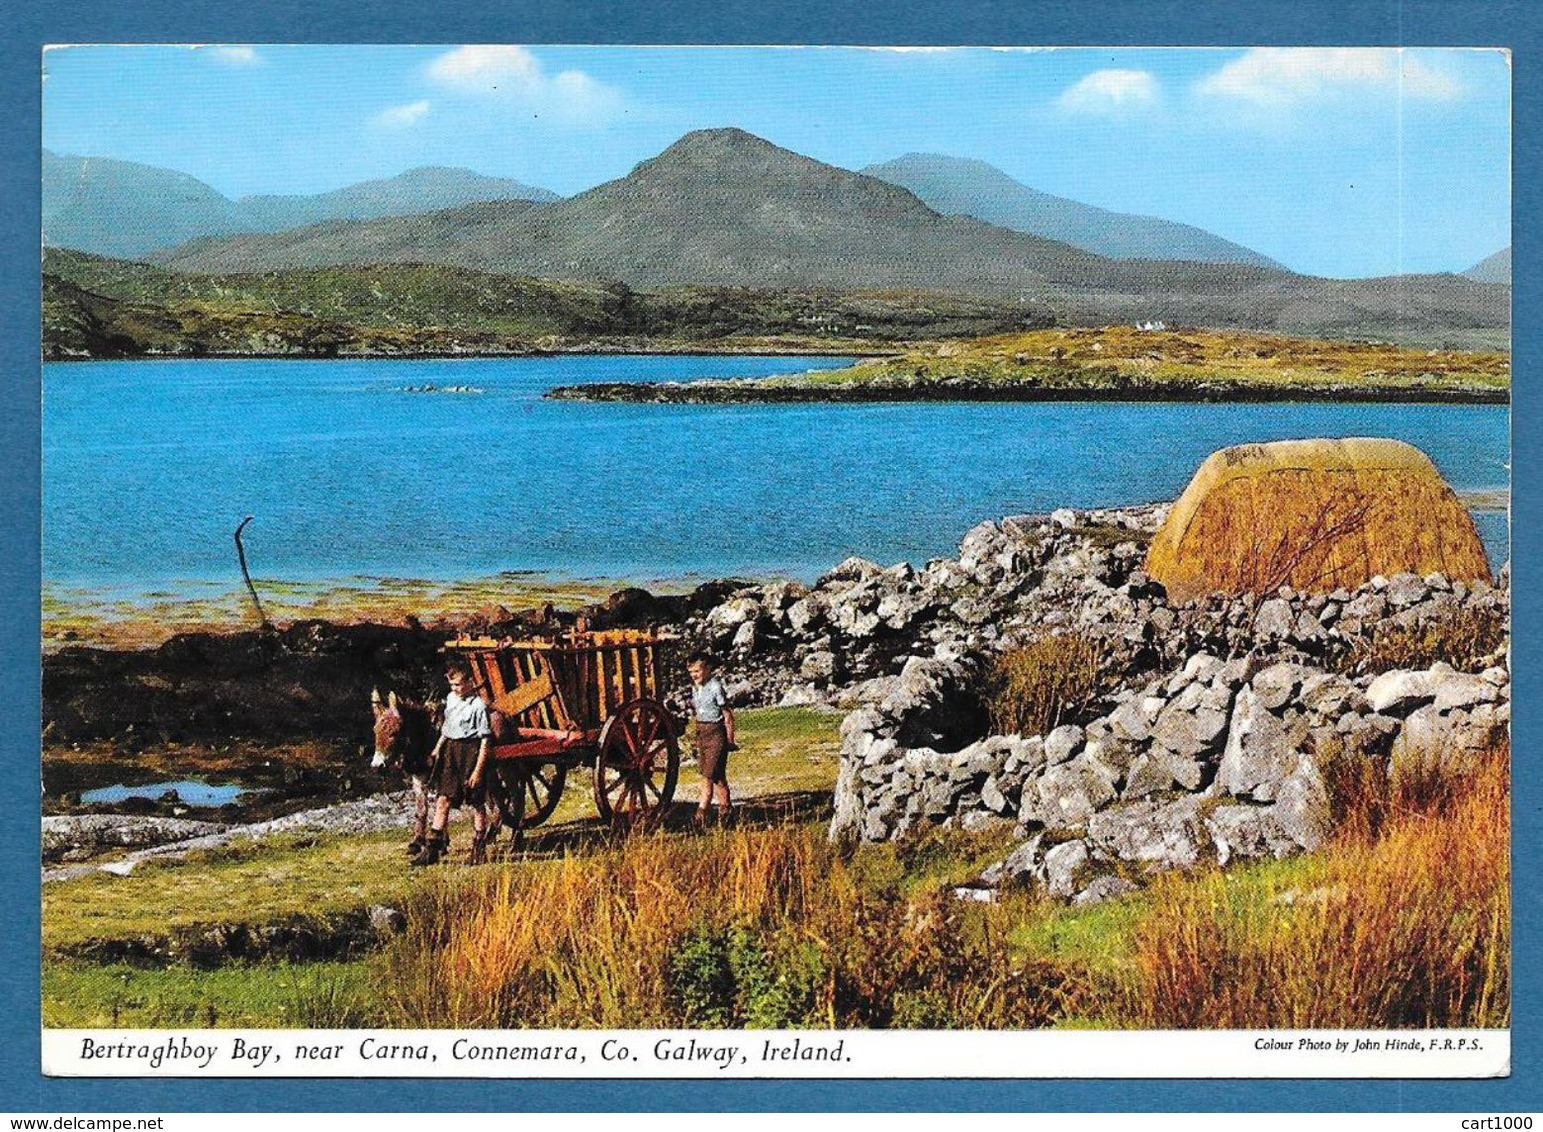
400 117
513 74
1280 76
236 56
1104 92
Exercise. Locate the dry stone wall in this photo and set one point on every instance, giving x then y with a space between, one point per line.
1217 745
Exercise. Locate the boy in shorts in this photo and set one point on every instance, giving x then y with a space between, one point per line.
714 736
459 766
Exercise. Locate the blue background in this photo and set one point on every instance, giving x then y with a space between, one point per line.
1114 22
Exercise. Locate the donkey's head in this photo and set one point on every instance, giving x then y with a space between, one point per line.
388 730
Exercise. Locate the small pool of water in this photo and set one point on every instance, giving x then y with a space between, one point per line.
189 791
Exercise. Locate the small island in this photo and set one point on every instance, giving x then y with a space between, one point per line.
1113 363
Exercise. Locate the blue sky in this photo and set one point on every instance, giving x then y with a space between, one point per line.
1340 162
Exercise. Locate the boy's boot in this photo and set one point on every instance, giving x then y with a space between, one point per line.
479 851
435 846
420 832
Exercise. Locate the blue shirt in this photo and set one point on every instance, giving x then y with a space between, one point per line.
709 699
465 718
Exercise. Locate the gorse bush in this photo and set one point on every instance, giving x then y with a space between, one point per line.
1464 638
1036 687
727 977
750 928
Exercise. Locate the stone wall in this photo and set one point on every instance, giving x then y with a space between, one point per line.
1219 753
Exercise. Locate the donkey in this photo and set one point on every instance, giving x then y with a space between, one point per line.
405 734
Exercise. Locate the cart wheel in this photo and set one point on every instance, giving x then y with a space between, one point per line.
528 792
637 763
543 790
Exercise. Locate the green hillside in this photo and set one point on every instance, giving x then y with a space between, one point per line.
98 307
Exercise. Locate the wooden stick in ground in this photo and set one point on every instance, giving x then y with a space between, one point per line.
241 556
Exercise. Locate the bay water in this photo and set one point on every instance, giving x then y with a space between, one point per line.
458 468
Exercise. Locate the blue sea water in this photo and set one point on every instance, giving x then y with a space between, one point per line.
191 791
149 466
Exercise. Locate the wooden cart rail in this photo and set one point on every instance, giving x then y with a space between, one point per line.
574 683
585 697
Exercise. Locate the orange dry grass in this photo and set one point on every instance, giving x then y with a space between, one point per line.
1411 929
588 941
584 941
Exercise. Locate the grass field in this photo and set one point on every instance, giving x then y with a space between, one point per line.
1402 921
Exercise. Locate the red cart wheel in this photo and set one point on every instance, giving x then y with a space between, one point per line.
528 791
637 763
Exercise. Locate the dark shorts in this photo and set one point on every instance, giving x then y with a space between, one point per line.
712 751
456 763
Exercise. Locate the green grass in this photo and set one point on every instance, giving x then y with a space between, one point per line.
782 749
312 995
1102 938
245 883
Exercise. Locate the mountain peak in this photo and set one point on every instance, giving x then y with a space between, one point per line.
722 149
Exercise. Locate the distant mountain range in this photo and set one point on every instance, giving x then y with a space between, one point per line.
1492 269
957 186
726 208
122 208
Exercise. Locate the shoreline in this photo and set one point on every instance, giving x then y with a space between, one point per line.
119 615
726 393
856 350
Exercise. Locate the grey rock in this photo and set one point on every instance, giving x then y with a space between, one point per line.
802 695
1248 833
1302 806
387 921
728 617
1131 720
1189 733
1102 888
1147 775
1274 620
1275 685
1062 743
1433 743
993 799
1186 771
808 613
1405 590
1201 667
746 637
853 569
1067 868
1156 834
1023 865
1401 690
1462 691
818 666
1258 755
1064 796
980 821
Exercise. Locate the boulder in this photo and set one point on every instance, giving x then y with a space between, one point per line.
1258 755
1068 867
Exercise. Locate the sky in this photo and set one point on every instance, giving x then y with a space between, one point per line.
1344 162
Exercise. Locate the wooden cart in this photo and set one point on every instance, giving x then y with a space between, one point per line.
585 698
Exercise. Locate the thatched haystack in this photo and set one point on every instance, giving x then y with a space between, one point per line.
1315 515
